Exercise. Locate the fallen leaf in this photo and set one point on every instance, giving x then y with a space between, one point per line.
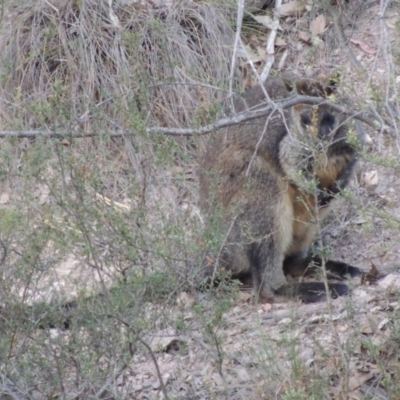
242 374
243 297
110 202
247 53
217 379
364 47
303 36
293 8
390 281
267 21
280 42
266 306
176 169
371 178
383 323
260 56
186 300
367 139
4 198
359 220
318 25
358 379
368 324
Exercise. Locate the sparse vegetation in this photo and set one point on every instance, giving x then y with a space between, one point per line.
100 234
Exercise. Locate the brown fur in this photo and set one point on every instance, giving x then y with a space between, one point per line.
259 174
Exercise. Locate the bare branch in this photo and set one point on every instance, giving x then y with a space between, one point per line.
219 124
270 49
239 20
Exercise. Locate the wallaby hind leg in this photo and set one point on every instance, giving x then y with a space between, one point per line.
266 268
298 265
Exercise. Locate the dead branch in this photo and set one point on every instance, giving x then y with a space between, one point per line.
270 48
219 124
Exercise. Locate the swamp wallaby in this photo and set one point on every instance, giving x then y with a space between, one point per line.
273 180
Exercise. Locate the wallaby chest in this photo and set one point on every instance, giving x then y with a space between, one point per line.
307 211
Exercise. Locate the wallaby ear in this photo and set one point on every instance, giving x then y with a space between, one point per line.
332 84
321 86
310 87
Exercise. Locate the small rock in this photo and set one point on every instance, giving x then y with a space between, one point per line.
242 374
390 281
370 179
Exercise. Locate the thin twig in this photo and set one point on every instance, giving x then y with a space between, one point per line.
153 357
239 20
271 43
337 23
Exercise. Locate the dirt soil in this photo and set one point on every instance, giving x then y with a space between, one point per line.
256 357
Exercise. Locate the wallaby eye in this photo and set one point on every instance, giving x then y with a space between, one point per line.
327 126
305 121
328 121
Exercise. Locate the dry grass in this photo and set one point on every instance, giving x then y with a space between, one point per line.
131 64
80 215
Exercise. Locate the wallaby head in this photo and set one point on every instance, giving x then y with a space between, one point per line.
316 121
261 170
315 133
